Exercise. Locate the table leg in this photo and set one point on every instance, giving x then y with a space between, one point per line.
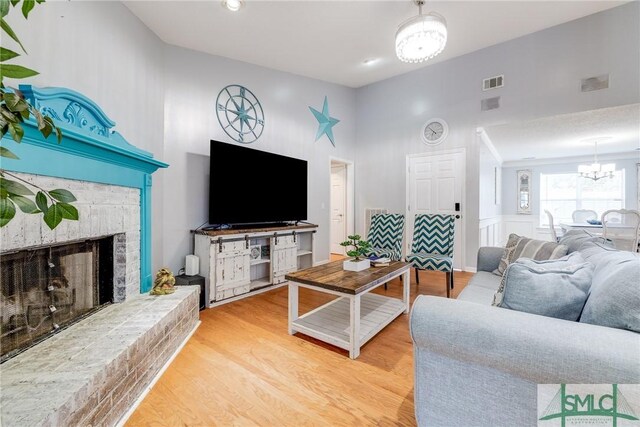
293 306
406 278
354 336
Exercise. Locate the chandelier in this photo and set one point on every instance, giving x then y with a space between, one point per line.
421 37
595 170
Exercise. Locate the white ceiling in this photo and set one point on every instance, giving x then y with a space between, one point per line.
569 135
329 40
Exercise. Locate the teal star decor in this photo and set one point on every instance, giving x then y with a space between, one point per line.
325 122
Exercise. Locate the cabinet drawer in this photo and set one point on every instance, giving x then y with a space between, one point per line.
283 242
232 292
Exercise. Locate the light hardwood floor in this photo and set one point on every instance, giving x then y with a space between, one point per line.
241 368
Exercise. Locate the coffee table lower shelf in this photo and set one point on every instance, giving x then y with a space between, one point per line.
331 322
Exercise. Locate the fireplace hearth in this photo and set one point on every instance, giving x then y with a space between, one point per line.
46 289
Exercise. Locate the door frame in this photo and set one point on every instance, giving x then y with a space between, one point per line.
463 211
350 190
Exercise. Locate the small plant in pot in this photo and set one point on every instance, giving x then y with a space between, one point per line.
360 247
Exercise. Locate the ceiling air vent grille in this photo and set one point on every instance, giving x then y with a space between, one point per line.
490 103
493 82
594 83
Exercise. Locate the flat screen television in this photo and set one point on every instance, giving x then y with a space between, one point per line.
248 186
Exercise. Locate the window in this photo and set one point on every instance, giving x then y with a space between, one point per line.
562 193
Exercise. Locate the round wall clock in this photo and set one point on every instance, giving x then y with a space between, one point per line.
434 131
240 113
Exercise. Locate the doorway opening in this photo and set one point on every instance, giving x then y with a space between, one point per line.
341 205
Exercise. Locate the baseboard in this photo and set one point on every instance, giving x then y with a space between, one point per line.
155 379
470 269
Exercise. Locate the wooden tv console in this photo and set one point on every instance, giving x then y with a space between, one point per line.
232 268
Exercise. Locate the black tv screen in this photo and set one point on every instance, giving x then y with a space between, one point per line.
250 186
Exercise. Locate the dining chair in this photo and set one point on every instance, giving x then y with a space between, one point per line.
385 236
622 226
432 246
581 216
552 228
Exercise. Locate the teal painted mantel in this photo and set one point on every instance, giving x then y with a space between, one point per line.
90 150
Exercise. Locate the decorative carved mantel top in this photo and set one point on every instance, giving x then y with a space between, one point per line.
71 109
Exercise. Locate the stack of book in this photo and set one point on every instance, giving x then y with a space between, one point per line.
379 261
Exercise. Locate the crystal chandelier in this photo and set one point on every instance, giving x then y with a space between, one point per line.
421 37
595 170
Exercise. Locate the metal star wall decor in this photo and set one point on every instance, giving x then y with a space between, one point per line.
325 122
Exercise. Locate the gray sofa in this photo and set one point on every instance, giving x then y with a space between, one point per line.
478 365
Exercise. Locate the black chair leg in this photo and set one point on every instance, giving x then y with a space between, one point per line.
417 277
448 280
385 286
451 279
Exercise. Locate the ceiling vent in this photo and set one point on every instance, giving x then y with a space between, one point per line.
490 103
595 83
493 82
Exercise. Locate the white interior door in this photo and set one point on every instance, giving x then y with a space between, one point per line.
435 186
338 207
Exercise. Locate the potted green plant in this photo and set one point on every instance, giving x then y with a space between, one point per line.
360 247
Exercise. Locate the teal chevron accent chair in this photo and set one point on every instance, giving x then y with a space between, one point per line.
385 236
432 246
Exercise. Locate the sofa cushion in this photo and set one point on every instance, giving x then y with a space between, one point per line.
553 288
486 280
477 294
524 247
574 239
614 298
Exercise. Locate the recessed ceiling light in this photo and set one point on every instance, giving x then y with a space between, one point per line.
233 5
370 61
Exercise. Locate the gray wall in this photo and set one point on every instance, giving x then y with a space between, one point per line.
542 74
192 83
487 208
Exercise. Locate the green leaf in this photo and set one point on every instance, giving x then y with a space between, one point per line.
7 211
16 71
5 152
14 187
38 1
53 216
14 2
7 29
16 131
7 115
41 201
6 54
27 5
3 193
62 195
68 211
15 103
4 8
26 205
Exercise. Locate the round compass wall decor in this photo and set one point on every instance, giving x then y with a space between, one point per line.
240 113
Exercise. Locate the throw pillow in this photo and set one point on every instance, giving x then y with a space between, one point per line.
552 288
512 242
614 298
538 250
524 247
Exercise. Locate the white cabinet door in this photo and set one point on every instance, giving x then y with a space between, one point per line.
435 183
232 270
284 257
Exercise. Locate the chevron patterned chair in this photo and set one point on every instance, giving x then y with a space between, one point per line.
385 236
432 246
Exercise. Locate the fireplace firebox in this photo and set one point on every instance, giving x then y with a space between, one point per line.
46 289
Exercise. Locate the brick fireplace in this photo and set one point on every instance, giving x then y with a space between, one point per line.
81 338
